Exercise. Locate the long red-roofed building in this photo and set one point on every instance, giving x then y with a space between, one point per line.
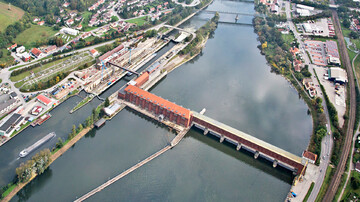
156 105
43 99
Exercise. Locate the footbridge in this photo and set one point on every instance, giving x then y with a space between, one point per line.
247 142
124 68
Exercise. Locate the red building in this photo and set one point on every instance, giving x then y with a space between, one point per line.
157 105
142 79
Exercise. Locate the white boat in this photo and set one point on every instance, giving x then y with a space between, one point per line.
37 144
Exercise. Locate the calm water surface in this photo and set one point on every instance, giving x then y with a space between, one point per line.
233 82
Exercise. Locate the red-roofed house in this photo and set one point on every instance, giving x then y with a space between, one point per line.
311 157
94 52
12 47
36 53
41 23
43 99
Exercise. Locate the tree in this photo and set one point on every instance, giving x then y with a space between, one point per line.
59 143
354 183
80 128
346 23
354 35
107 102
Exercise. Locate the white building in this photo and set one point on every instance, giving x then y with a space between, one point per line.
70 31
337 74
304 7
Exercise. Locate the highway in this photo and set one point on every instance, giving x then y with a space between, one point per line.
335 182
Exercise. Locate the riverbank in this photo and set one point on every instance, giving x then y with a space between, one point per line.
54 156
74 93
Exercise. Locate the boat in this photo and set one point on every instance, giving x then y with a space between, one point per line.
37 144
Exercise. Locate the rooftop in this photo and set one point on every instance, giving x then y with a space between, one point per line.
309 155
159 101
248 137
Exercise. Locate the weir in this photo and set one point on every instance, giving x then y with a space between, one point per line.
249 143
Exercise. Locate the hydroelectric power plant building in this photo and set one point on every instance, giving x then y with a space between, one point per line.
169 111
157 105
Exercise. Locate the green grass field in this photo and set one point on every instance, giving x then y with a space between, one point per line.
6 59
8 17
288 38
35 33
138 21
349 190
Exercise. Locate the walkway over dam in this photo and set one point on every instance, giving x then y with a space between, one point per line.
250 143
165 110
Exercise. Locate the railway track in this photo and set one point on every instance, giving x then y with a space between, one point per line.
335 182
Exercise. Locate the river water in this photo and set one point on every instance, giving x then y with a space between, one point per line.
232 81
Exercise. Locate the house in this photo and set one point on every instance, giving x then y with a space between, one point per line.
12 47
79 27
50 49
294 51
11 124
20 49
66 4
86 35
58 20
73 14
311 157
36 53
36 20
41 23
25 57
43 99
70 21
94 52
297 65
357 166
78 18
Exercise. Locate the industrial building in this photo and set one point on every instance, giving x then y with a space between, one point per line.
164 109
337 75
8 127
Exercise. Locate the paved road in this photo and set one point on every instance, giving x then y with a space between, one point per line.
327 141
335 182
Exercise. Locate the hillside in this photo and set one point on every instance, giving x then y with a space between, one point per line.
8 17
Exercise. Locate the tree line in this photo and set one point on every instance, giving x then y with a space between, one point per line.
38 163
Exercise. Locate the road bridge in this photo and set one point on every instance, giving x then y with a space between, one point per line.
233 13
252 144
124 68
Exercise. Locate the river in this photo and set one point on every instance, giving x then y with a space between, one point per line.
233 82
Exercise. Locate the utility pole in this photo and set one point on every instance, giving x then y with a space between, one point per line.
9 8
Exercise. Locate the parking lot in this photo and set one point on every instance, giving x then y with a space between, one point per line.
316 51
337 97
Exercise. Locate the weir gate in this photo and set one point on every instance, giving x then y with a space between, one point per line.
178 115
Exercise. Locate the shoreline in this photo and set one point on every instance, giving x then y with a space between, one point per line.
53 157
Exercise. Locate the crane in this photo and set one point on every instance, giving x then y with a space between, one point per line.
102 69
131 49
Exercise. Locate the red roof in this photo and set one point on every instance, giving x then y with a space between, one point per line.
44 99
93 51
142 79
309 155
159 101
36 52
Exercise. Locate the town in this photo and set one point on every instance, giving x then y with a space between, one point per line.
83 49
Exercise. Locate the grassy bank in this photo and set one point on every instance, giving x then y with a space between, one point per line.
325 184
7 16
309 192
